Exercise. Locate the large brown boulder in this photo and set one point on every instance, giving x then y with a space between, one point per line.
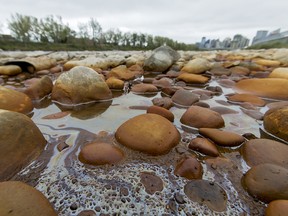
274 88
20 142
148 133
200 117
267 182
276 122
20 199
80 85
15 101
259 151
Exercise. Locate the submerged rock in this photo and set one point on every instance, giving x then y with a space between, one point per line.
208 193
151 182
189 167
16 151
257 101
80 85
184 97
20 199
148 133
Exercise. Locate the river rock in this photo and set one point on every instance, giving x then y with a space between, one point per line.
281 55
184 97
276 122
123 73
222 138
267 63
162 112
203 146
165 102
259 151
274 88
100 154
38 88
208 193
15 101
239 70
279 73
197 66
277 207
115 83
189 167
220 71
267 182
148 133
80 85
253 99
144 88
200 117
17 151
193 78
151 182
161 59
20 199
10 70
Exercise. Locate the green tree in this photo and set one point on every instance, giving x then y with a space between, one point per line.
21 27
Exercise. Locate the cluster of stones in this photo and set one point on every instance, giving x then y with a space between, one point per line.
254 79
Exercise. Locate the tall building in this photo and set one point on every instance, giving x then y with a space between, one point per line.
260 35
263 36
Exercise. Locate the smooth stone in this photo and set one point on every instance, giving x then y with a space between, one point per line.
164 102
193 78
259 151
163 82
268 63
257 101
227 83
279 73
20 199
38 88
277 208
184 97
277 104
144 88
100 154
222 138
276 122
170 91
274 88
267 182
161 59
208 193
20 143
200 117
224 110
219 71
80 85
197 66
115 83
203 146
239 70
189 168
123 73
10 70
151 182
15 101
148 133
201 104
162 112
253 113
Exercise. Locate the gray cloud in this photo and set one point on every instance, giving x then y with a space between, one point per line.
182 20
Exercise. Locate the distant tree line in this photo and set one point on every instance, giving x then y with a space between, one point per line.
51 29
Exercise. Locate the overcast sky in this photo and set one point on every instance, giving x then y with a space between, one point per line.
183 20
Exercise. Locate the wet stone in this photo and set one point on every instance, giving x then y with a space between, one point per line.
184 98
267 182
87 213
277 207
162 112
204 146
179 198
151 182
208 193
164 102
189 167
